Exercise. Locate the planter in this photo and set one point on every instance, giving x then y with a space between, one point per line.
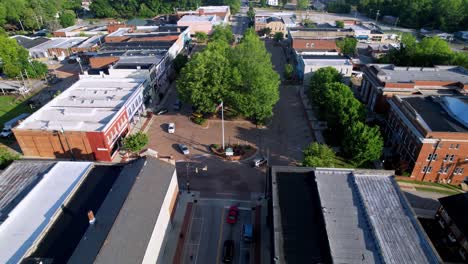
241 152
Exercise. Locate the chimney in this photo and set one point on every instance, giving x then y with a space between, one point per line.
91 217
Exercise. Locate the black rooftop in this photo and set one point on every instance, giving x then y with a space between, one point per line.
28 43
456 207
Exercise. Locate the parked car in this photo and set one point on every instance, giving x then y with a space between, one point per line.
184 149
177 105
228 251
233 213
247 233
171 128
259 162
162 111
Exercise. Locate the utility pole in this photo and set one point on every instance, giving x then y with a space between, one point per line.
21 24
377 16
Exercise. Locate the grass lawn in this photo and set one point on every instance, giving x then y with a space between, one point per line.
10 108
434 184
434 190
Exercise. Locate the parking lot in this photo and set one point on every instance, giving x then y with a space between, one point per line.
208 230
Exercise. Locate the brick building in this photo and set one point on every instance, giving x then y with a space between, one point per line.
382 81
87 121
429 135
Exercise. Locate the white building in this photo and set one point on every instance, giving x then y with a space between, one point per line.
308 64
273 2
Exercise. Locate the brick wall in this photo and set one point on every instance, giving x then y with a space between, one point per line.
314 44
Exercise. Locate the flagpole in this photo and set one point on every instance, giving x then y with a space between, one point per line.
222 120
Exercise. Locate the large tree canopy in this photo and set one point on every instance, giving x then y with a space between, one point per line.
15 60
242 77
319 155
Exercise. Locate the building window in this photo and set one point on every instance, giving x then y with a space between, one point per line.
434 157
451 146
446 169
458 170
429 169
446 157
452 157
429 157
424 169
457 146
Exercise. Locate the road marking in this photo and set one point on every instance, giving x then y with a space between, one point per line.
221 226
199 239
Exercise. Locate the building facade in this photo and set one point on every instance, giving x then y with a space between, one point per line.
429 136
86 122
308 64
275 24
382 81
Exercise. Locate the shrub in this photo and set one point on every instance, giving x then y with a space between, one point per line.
135 142
6 158
199 120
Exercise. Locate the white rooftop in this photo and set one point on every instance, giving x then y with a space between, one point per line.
88 105
196 18
37 209
62 43
214 8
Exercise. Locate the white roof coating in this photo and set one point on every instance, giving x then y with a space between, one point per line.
34 213
61 43
88 105
195 18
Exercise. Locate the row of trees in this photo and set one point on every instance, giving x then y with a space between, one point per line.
449 15
37 14
15 60
241 76
150 8
346 117
428 52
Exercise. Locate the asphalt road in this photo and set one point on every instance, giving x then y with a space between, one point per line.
209 230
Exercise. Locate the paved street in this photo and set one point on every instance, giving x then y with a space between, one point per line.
209 230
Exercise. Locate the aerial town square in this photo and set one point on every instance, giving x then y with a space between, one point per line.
233 131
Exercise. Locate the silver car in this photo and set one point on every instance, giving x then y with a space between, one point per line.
184 149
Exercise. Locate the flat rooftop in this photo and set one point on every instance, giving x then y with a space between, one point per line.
27 42
392 73
344 216
441 113
38 208
137 45
60 43
325 60
127 215
196 18
88 105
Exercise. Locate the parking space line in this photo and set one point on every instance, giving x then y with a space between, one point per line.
221 226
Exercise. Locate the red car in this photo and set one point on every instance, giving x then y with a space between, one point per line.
232 215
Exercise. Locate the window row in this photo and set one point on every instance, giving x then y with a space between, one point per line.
448 157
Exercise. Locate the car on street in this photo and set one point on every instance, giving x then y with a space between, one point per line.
228 251
247 233
233 213
259 162
184 149
171 128
162 111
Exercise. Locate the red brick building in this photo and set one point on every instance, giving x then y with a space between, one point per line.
382 81
87 121
429 134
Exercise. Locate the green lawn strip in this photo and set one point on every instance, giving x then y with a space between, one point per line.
446 186
10 108
434 190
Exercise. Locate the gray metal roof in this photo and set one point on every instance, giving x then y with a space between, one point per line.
366 217
399 236
126 218
17 180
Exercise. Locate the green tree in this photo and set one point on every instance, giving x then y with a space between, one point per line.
284 2
362 143
303 4
145 11
223 33
339 23
347 45
263 3
179 62
319 155
309 23
3 14
256 87
279 36
15 60
338 7
201 37
135 142
251 13
264 31
341 108
288 71
207 77
318 82
7 157
67 18
103 9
